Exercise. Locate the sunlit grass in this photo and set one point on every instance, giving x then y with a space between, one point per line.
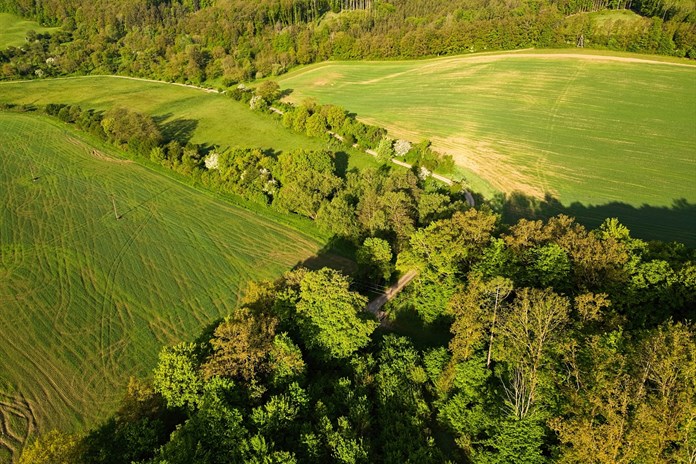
87 299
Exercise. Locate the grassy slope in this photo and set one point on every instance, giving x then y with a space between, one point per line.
607 18
85 299
582 129
13 29
207 118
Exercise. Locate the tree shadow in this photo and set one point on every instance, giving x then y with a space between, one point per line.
179 129
341 163
285 93
405 320
270 152
665 223
337 254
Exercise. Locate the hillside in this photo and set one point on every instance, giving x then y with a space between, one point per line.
587 129
185 114
230 41
88 300
183 183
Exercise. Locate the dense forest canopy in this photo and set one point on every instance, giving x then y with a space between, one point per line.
532 342
235 40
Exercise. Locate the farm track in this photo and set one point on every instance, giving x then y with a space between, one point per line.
107 306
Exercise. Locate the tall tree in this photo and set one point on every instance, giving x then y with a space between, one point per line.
332 319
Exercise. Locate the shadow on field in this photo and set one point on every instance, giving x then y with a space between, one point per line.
180 129
674 223
336 253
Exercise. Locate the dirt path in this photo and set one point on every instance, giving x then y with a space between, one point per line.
375 306
582 56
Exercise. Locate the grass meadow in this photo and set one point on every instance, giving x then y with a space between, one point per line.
184 113
587 129
87 300
13 30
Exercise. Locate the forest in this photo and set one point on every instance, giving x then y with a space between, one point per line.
532 342
228 41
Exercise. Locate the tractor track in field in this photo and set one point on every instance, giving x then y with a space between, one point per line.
542 159
17 422
106 318
49 384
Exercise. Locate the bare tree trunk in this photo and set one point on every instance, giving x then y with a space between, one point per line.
495 314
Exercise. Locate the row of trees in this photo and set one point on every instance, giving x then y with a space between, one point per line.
333 122
382 202
126 129
235 40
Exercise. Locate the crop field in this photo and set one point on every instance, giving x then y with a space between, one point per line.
186 113
87 299
586 130
13 30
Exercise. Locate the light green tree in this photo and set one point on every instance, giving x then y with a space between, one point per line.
53 447
268 90
384 150
316 125
331 317
176 376
376 255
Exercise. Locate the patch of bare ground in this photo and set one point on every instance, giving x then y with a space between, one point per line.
101 156
447 63
95 153
326 79
482 158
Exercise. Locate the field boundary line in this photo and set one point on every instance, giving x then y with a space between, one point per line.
493 56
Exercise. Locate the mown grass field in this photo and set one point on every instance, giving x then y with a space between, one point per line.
592 129
13 30
87 300
183 112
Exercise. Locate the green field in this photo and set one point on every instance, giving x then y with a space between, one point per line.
13 30
86 299
183 112
592 129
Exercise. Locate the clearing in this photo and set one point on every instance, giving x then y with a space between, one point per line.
87 300
14 30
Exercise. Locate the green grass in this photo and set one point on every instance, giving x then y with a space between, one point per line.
13 30
87 300
607 19
586 130
188 113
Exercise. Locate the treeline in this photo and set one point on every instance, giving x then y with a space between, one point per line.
230 41
382 203
566 345
333 122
